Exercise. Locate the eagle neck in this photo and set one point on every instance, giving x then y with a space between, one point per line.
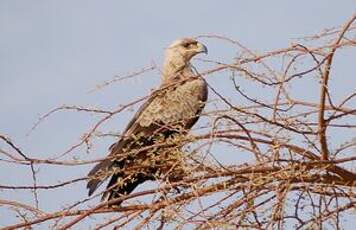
176 71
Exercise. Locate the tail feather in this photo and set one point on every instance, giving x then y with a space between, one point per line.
96 175
115 191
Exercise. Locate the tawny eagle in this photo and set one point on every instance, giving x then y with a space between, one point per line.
171 110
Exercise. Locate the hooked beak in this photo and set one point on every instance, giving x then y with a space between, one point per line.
202 48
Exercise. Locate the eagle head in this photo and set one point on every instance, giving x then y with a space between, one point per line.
186 48
178 55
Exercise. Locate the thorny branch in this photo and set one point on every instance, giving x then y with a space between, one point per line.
324 90
299 167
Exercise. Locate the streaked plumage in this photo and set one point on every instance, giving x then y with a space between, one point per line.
172 110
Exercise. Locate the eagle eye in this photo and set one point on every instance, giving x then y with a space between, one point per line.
186 44
189 44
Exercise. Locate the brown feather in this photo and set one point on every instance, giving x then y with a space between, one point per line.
171 110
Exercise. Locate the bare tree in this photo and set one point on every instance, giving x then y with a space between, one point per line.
298 151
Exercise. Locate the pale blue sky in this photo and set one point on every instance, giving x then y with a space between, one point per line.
55 52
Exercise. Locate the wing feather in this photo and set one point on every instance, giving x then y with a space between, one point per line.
160 113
